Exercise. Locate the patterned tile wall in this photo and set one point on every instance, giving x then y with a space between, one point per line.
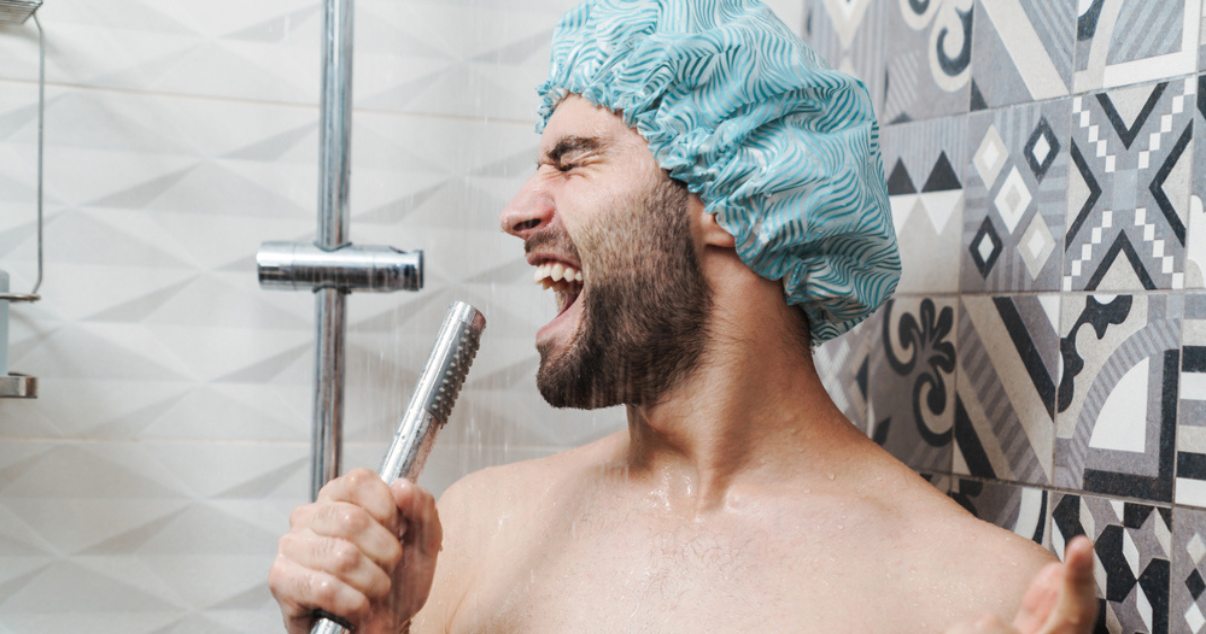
1043 361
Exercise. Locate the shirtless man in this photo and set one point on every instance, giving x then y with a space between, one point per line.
738 500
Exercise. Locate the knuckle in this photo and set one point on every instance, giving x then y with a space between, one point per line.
299 515
285 545
356 519
325 593
345 557
358 476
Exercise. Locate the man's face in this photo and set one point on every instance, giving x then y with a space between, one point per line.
599 207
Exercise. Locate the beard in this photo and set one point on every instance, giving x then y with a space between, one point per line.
644 319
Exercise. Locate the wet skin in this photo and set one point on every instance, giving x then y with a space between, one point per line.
738 500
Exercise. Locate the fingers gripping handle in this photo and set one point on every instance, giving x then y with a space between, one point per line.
443 375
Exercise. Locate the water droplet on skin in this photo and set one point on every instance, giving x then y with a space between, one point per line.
832 476
840 527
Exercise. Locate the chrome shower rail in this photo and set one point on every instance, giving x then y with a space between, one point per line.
333 267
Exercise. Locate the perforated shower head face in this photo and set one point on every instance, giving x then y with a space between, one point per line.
17 11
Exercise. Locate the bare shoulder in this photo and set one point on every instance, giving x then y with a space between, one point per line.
983 567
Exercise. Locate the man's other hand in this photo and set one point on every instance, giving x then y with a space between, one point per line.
1062 599
365 552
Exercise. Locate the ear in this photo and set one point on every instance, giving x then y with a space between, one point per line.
713 234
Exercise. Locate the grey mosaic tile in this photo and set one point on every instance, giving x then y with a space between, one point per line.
1016 187
1128 191
1195 243
925 165
1188 582
1005 387
1116 401
1109 54
1133 544
927 71
1024 510
912 379
1021 51
1191 410
849 35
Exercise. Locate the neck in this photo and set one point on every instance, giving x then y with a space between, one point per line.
753 410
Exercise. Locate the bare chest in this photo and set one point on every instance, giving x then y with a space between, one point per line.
654 579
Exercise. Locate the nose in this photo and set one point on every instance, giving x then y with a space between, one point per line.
530 210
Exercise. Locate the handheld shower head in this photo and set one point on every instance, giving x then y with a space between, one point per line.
439 385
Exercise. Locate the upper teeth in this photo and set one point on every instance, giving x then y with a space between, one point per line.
556 272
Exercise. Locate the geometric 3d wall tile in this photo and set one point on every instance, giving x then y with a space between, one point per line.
924 165
1021 51
1191 415
1128 202
912 380
1110 52
1134 550
1016 194
927 71
1116 403
1005 402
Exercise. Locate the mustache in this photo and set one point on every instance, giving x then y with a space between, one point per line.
553 239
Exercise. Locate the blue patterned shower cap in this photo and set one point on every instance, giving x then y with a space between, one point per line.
780 147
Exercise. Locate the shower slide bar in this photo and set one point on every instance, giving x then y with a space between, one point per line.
332 267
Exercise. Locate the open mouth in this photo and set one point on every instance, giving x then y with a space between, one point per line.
565 280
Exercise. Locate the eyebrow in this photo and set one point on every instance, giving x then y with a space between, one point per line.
573 145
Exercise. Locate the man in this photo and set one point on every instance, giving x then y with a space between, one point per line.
697 165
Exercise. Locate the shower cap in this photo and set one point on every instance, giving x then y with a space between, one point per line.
780 147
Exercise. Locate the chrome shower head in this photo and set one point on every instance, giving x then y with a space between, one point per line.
17 11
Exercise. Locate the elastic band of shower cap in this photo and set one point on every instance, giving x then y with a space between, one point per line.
781 148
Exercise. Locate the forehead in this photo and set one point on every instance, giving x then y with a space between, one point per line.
577 117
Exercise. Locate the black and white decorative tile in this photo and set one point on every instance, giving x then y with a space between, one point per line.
925 170
849 34
1187 605
1023 510
843 365
1133 544
1116 404
1128 195
1112 50
1005 387
1195 244
912 380
927 71
1022 51
1016 185
1191 415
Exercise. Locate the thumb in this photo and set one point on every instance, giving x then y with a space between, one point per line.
1076 609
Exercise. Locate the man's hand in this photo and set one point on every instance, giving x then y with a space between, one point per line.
365 552
1062 599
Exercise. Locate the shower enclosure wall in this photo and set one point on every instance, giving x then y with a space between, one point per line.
146 487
